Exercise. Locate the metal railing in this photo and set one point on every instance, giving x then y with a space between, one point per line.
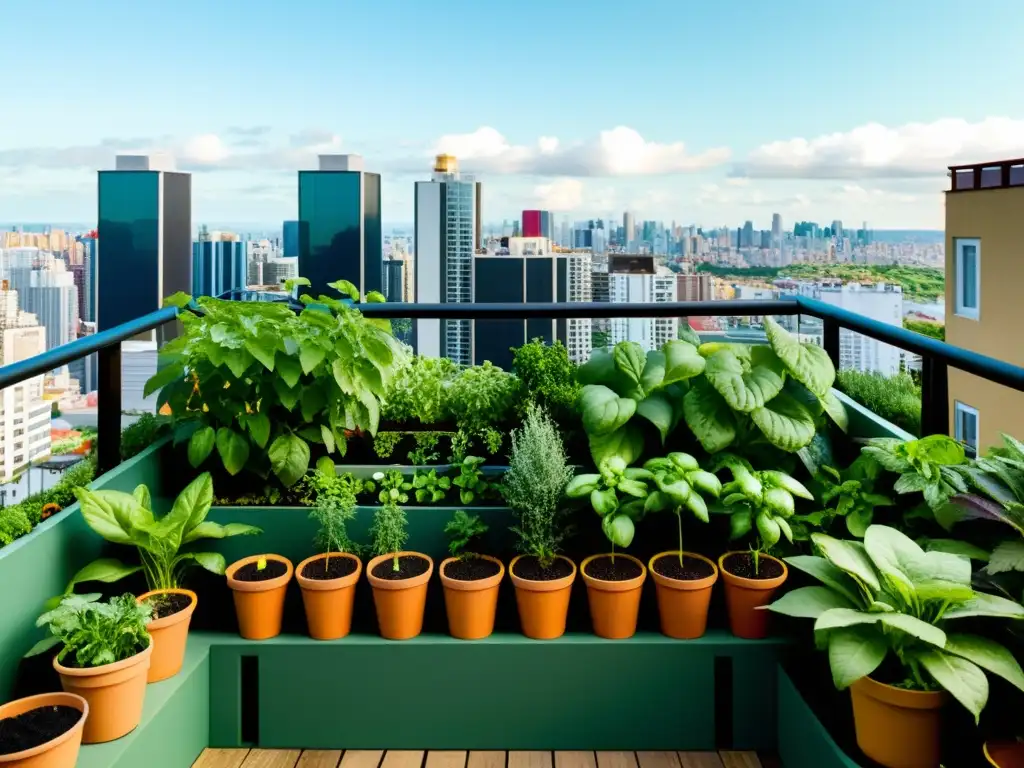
937 356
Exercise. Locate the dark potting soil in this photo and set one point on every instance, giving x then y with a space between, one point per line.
471 569
408 567
168 605
529 568
742 564
272 570
35 727
329 568
692 568
608 568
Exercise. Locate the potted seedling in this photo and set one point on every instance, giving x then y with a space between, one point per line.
328 580
128 519
43 731
683 580
104 656
614 580
761 502
470 580
534 487
259 585
399 578
887 600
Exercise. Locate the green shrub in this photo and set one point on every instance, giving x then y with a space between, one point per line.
926 328
896 399
136 437
13 524
19 519
548 378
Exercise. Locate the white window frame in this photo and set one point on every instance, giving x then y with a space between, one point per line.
972 313
959 410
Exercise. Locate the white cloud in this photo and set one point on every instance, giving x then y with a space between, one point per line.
620 151
877 151
560 195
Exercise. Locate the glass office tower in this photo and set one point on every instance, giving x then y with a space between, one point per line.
339 226
218 267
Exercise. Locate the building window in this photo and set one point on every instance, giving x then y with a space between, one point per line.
968 277
965 429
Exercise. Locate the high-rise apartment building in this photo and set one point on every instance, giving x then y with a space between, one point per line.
537 224
882 302
776 229
394 279
218 266
446 223
636 278
984 311
340 235
695 286
144 237
52 297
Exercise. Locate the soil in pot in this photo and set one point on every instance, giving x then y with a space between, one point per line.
528 567
691 569
542 595
259 594
35 727
472 569
607 568
329 568
471 588
400 597
168 604
742 564
683 588
614 586
252 572
409 566
748 589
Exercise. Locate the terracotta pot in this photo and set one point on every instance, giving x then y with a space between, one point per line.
400 603
614 605
471 605
259 605
328 602
115 693
543 605
61 752
683 604
1004 754
170 635
895 727
744 597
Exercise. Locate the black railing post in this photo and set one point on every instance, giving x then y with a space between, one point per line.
830 339
934 397
108 407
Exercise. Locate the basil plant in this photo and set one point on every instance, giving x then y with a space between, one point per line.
681 484
887 596
617 494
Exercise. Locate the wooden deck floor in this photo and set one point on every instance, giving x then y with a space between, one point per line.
354 758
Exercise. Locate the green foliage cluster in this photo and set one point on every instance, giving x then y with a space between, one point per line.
332 518
897 399
927 328
389 531
142 433
92 633
548 379
325 486
259 382
462 530
16 520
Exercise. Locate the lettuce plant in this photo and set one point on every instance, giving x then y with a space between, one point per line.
94 633
259 382
679 482
617 494
888 596
429 488
928 466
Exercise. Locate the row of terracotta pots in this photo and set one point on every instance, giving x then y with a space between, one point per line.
471 605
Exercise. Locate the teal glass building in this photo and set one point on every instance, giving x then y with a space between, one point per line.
340 233
218 267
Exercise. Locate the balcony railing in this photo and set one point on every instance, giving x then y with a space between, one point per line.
937 357
997 175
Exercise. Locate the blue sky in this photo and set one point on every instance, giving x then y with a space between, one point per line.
579 106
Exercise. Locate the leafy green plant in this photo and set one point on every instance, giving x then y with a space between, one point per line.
325 485
848 494
548 377
418 391
259 382
888 596
17 520
142 433
928 465
127 518
470 481
461 531
332 520
680 483
482 396
461 446
534 486
14 524
94 633
389 532
384 443
896 399
429 487
426 451
394 488
617 494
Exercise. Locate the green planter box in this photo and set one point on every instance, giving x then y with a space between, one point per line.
803 741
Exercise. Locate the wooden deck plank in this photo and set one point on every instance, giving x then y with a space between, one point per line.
658 759
319 758
575 759
700 760
272 758
221 758
361 758
484 758
444 758
402 758
616 760
528 759
740 759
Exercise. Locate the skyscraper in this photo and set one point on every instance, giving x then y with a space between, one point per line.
218 266
633 278
340 234
446 223
290 237
629 225
144 238
776 229
537 224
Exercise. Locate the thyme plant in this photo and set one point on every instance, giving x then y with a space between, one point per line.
389 532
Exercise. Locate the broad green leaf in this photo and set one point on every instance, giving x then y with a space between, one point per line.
312 401
983 604
375 297
836 410
213 562
705 482
782 480
709 417
895 555
345 288
192 505
263 351
687 334
987 654
779 501
238 361
289 369
626 442
963 679
653 376
98 511
740 523
233 449
259 427
630 360
179 299
289 397
166 375
922 630
604 502
785 422
768 529
106 570
827 574
673 486
603 410
289 458
328 438
200 445
209 530
809 602
682 361
855 652
141 495
618 529
310 356
658 410
808 364
837 618
744 389
599 369
1007 556
957 547
633 488
582 485
696 504
848 556
859 520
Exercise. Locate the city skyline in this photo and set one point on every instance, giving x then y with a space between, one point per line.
732 127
